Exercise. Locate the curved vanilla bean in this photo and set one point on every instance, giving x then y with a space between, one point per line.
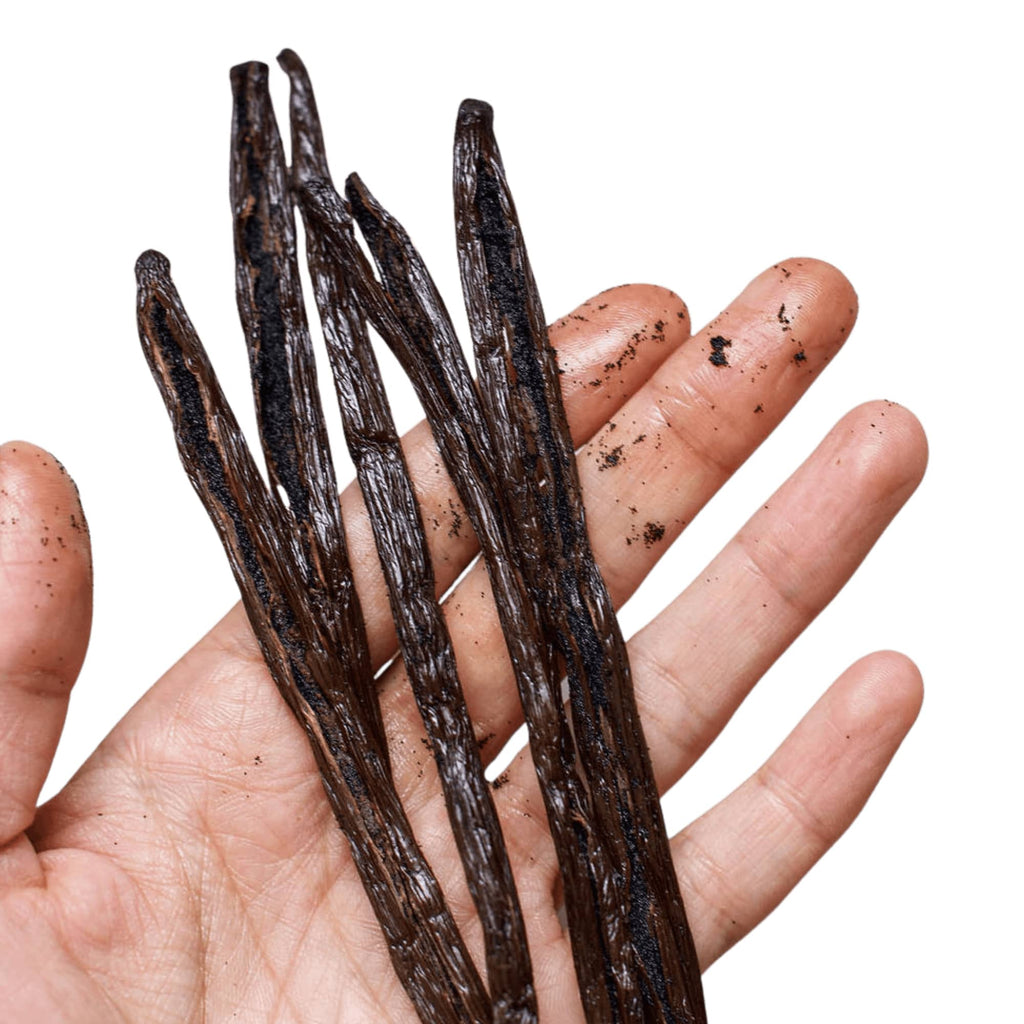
429 353
425 644
266 557
283 369
655 965
412 319
309 155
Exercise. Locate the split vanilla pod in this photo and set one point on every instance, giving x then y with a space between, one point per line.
505 442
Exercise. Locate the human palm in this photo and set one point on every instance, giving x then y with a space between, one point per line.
192 870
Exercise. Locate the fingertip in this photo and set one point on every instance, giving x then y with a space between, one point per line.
22 449
823 277
792 285
46 561
610 345
889 446
911 434
890 688
46 610
650 304
636 303
34 485
878 699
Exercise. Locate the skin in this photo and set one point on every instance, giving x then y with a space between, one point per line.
192 870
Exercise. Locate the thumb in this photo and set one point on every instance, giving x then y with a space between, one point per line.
45 613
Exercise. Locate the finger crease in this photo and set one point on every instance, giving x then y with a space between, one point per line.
784 796
757 564
706 880
653 677
681 412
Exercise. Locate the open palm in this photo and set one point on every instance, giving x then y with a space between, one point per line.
192 870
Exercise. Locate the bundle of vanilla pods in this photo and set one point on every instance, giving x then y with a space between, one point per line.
506 444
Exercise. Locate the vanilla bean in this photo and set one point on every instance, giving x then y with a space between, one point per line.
424 641
412 319
267 557
425 645
309 155
657 972
283 370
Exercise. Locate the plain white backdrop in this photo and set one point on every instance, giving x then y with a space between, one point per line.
691 145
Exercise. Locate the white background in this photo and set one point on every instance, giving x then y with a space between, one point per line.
692 146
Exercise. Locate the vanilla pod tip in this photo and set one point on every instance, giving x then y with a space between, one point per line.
151 263
476 112
356 191
255 70
289 61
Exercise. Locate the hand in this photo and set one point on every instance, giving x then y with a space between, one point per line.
192 869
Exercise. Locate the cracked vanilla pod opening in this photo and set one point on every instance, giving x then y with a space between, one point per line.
505 442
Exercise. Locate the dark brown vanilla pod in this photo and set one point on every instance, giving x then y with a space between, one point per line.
283 370
267 558
434 363
656 970
309 155
424 641
425 644
410 317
